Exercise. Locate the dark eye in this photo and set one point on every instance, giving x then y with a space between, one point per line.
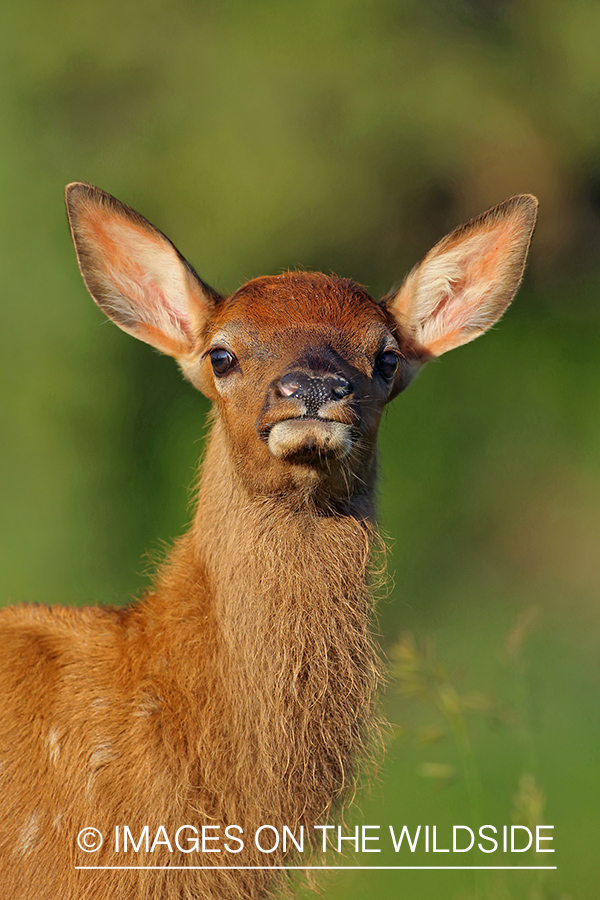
387 364
222 361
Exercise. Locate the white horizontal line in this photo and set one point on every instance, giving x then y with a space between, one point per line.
374 868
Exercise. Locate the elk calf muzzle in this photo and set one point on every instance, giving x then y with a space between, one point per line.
310 440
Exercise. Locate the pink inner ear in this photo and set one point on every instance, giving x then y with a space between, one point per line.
464 287
118 239
485 249
142 283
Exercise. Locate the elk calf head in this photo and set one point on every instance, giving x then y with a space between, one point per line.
300 365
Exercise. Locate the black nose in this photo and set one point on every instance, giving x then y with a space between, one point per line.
314 390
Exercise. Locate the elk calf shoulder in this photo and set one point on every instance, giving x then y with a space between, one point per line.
240 690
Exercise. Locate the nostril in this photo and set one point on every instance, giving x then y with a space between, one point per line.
341 388
289 385
288 390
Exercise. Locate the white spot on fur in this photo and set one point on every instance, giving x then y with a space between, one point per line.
53 745
100 703
28 834
148 706
101 755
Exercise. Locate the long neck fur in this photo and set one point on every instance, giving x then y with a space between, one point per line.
268 608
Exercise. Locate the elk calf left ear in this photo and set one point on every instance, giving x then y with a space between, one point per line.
135 274
465 283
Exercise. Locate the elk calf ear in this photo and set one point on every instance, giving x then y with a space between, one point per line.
135 274
466 281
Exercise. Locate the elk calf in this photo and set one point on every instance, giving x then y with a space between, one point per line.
239 691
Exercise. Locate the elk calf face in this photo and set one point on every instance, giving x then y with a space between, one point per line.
300 365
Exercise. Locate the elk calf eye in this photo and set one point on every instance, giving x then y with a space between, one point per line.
222 361
387 365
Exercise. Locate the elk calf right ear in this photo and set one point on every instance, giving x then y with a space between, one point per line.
465 283
135 274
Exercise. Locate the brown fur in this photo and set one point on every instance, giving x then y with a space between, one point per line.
241 689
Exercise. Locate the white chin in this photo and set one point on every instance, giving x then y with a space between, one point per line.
304 438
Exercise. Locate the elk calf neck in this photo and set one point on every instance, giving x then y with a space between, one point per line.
240 690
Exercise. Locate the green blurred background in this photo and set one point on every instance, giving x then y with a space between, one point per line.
344 136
